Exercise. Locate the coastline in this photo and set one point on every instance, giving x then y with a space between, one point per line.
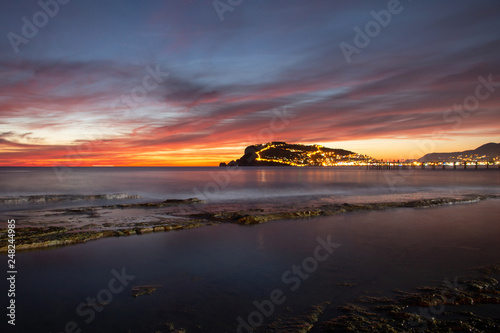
400 269
59 227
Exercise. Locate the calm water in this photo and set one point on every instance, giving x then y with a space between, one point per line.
254 184
210 276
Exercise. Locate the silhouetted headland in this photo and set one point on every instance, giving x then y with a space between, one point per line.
279 153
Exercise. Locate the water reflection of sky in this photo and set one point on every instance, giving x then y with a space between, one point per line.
211 275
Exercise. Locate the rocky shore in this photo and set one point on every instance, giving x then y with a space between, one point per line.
460 305
468 304
23 199
42 229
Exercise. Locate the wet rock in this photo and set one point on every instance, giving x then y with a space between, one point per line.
300 324
488 270
373 299
140 231
357 323
346 284
256 217
262 218
357 309
170 328
126 232
394 314
166 203
96 304
63 198
190 218
192 225
143 290
189 201
390 308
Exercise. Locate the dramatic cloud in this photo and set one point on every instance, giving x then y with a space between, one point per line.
169 83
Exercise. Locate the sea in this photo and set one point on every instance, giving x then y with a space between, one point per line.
221 278
251 184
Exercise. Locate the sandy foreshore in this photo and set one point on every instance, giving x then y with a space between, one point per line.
58 227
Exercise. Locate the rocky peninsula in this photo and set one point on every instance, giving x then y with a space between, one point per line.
280 153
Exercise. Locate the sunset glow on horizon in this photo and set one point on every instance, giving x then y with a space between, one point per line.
171 84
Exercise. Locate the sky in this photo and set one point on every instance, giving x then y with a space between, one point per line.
193 82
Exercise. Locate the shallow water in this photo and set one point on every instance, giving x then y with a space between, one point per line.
275 184
210 276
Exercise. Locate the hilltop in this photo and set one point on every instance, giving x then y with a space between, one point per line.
279 153
486 153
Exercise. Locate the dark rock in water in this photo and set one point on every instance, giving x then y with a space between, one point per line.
262 218
488 270
142 290
373 299
169 328
168 202
419 311
300 324
126 232
356 308
96 304
182 214
39 237
143 230
183 201
46 198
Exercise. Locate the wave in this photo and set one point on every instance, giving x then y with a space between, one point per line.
46 198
